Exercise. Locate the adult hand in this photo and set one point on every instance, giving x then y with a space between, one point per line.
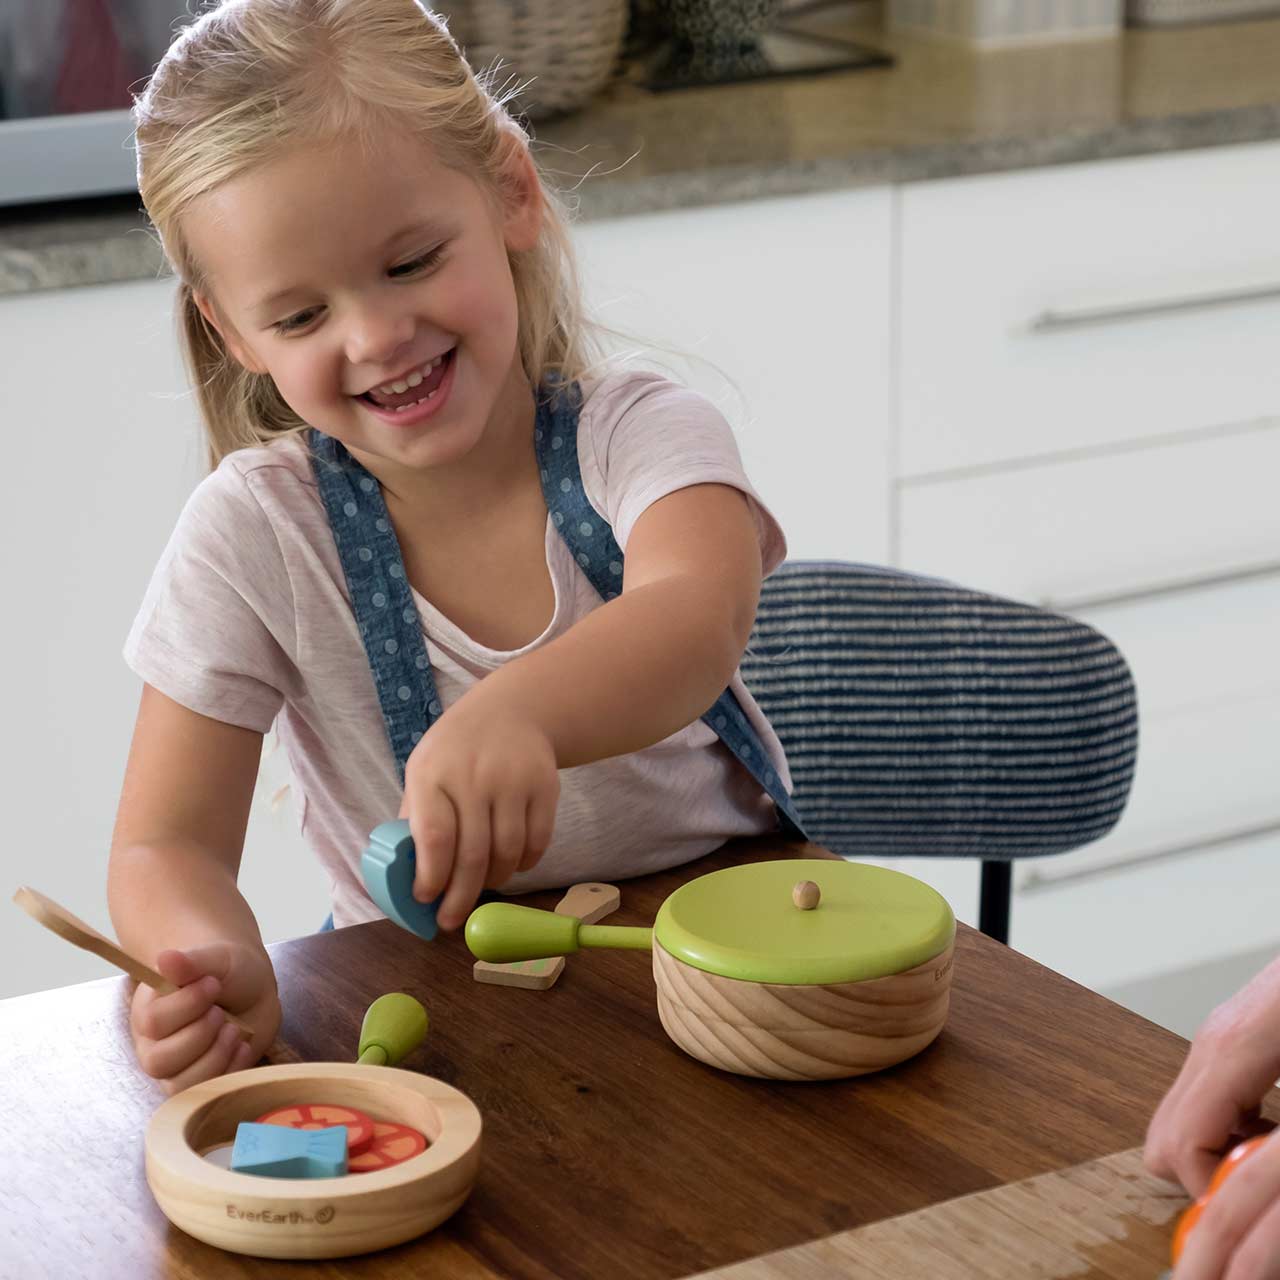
1234 1060
1234 1232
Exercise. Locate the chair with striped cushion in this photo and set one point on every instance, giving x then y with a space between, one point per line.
923 719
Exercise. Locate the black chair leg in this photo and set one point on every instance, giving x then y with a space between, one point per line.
993 900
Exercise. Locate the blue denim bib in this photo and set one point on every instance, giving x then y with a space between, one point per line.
388 617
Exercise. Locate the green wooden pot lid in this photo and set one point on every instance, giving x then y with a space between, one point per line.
743 922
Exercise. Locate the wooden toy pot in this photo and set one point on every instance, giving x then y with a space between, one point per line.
791 970
312 1217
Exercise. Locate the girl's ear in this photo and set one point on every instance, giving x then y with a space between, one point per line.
522 199
230 339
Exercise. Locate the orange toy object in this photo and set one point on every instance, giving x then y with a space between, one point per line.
392 1144
321 1115
1235 1158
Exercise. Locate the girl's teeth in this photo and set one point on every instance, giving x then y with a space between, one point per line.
415 379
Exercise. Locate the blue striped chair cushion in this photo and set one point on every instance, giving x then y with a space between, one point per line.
920 718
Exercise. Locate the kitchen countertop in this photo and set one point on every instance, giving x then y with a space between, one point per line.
941 111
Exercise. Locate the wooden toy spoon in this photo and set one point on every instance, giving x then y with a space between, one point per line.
59 920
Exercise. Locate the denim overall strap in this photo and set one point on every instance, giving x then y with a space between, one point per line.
592 543
381 598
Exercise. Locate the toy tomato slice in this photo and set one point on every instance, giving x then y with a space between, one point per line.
392 1144
324 1115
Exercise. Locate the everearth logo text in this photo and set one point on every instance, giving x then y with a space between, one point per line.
293 1218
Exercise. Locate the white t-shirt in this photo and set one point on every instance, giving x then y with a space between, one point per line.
247 620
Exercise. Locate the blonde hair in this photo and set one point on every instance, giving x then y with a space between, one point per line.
250 78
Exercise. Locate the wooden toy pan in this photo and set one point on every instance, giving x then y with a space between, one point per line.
318 1217
789 970
312 1217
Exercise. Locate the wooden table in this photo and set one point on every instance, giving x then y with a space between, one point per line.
608 1153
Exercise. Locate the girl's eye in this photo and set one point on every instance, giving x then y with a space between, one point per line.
296 322
414 265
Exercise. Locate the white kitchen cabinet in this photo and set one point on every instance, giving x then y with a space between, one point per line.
1106 524
1088 418
102 449
1056 310
779 311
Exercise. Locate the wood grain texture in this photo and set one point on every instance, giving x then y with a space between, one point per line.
785 1032
1105 1220
608 1152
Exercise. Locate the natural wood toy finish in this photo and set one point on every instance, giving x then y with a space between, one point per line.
312 1218
60 921
839 973
590 902
802 1032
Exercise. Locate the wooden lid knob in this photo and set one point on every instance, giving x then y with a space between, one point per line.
806 895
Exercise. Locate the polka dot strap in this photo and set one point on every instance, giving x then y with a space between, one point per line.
591 541
381 598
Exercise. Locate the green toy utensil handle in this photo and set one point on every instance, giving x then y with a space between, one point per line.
501 933
394 1026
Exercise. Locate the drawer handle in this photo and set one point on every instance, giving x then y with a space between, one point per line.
1055 321
1175 586
1040 881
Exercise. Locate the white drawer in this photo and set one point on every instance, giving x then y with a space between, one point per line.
1198 648
1205 775
725 298
1153 919
1120 521
1065 308
1209 728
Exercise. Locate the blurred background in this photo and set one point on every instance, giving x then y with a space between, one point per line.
989 290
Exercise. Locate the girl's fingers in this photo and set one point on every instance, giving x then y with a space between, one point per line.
507 822
539 824
434 826
156 1017
471 866
180 967
167 1057
214 1061
243 1057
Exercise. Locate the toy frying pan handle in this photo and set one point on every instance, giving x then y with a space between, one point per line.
387 866
501 933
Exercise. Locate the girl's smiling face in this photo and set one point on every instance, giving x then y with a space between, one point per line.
360 277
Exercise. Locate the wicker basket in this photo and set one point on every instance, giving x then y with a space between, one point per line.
567 48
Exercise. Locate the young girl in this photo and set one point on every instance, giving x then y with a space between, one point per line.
409 556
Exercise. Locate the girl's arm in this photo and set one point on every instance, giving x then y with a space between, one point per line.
171 888
481 787
653 660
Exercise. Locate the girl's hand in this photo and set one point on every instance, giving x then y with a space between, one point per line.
1237 1233
185 1037
480 794
1234 1061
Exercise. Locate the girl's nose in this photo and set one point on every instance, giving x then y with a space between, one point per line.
376 333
